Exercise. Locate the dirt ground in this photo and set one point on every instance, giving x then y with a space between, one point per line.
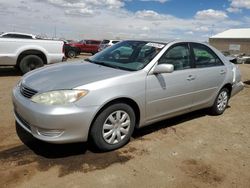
193 150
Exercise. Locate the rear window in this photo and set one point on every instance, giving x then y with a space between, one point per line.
17 36
115 41
105 42
95 42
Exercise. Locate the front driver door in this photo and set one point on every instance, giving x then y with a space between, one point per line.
171 93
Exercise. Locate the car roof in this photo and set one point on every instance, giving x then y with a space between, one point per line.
17 33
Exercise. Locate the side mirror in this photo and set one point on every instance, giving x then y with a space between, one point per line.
163 68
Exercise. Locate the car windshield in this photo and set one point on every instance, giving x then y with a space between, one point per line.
128 55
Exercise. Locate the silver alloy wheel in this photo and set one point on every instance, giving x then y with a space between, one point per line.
222 101
116 127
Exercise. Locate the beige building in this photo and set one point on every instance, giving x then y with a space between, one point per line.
234 41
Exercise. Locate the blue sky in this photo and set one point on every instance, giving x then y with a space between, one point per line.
180 8
124 19
183 8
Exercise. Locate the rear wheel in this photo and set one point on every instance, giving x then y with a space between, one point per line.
221 102
113 127
30 62
71 54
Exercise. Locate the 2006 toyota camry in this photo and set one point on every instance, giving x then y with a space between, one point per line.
131 84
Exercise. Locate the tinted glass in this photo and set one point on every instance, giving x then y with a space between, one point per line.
179 56
82 42
105 42
205 57
88 42
115 41
128 55
95 42
17 36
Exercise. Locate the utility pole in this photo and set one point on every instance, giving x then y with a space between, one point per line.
55 32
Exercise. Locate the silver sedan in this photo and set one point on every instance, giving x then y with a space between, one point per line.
129 85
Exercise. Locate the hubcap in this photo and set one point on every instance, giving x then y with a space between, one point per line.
222 101
116 127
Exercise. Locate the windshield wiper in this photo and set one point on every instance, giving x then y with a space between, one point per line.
108 65
95 62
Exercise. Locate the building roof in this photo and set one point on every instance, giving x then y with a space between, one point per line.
233 34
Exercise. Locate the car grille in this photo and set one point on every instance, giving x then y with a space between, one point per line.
27 92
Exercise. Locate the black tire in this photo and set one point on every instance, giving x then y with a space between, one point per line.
71 54
215 109
30 62
96 132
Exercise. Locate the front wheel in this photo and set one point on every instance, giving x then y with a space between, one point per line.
221 102
113 127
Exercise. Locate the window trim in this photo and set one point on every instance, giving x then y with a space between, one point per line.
209 50
192 64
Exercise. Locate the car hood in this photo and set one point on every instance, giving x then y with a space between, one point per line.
68 76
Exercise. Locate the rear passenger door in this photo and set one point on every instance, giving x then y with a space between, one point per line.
209 74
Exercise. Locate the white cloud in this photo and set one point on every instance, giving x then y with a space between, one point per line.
148 14
237 5
211 14
190 32
79 19
240 4
233 10
80 12
112 4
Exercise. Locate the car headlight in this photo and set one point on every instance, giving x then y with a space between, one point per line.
59 97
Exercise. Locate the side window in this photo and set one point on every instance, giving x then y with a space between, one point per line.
205 57
96 42
179 56
8 36
88 42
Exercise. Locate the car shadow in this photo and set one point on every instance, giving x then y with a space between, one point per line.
169 123
48 150
9 71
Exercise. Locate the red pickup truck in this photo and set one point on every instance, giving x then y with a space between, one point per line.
87 46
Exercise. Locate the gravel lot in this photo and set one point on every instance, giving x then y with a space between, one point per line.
193 150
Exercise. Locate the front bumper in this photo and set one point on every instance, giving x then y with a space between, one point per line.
237 87
54 124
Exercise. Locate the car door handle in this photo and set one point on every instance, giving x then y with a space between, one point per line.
191 77
222 72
